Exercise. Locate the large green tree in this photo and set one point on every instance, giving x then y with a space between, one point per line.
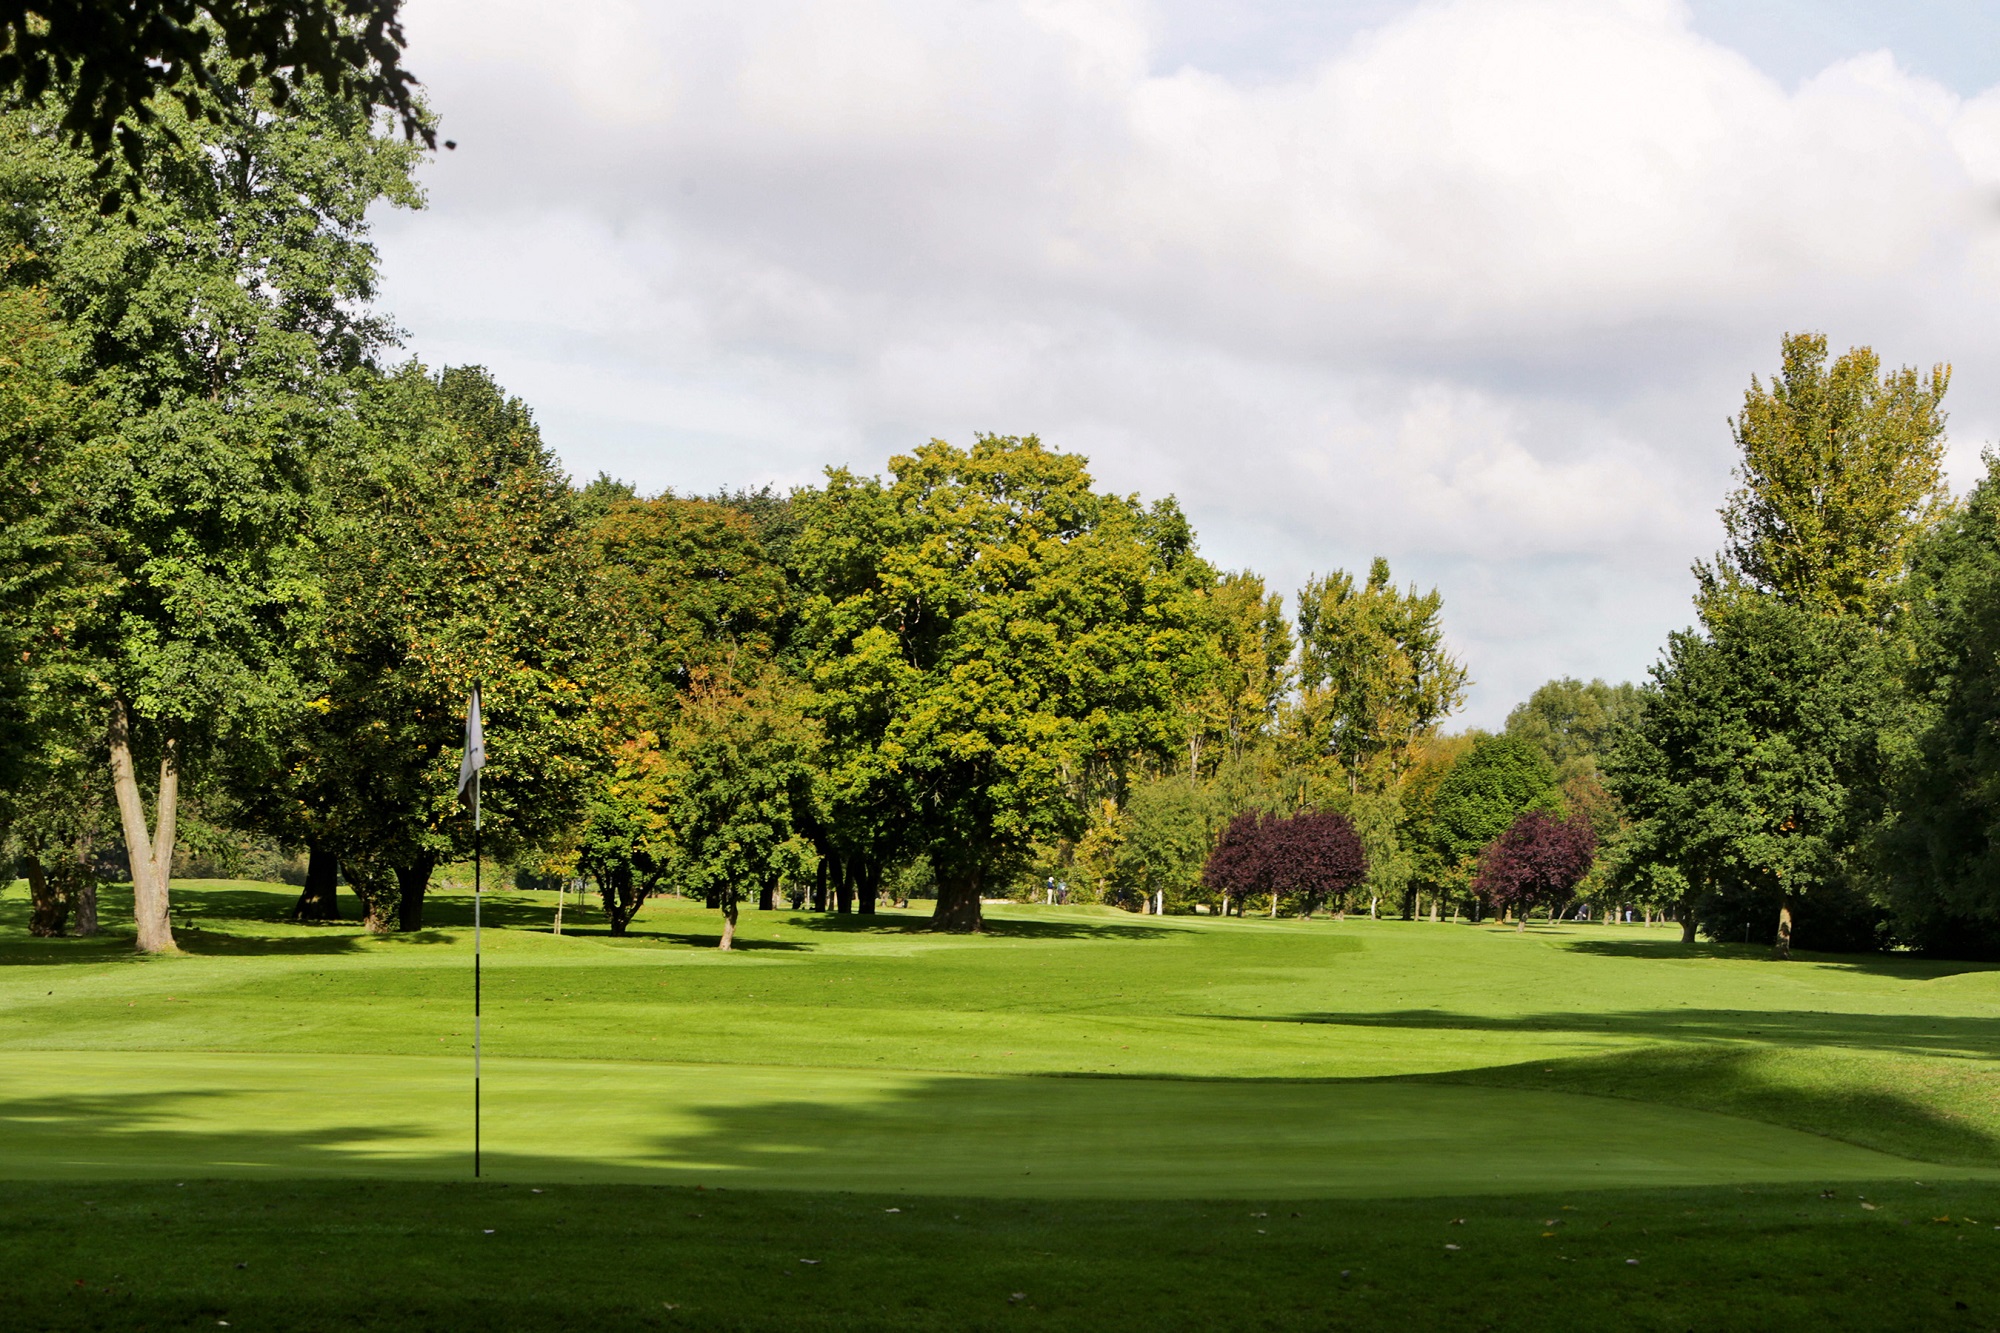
985 631
1236 692
1840 468
453 556
219 324
1940 851
1755 764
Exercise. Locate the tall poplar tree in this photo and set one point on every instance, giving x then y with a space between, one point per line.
1375 677
1841 466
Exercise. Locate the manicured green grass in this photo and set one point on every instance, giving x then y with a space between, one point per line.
1077 1064
399 1255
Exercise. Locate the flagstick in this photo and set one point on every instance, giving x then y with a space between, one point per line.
475 974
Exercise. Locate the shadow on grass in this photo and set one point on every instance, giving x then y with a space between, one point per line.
225 944
997 926
1919 1034
1027 1135
1930 1109
1887 965
692 939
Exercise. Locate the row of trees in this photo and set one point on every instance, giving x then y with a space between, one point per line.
253 567
1813 762
250 567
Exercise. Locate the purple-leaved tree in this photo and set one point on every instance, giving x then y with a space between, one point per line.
1538 861
1307 858
1233 868
1311 857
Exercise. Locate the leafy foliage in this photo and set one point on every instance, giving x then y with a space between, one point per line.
1841 468
1756 763
1474 801
454 558
1537 862
1940 849
111 64
1303 860
982 632
1374 675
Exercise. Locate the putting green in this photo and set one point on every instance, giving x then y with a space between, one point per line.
99 1114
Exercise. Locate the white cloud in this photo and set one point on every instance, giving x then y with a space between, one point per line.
1476 291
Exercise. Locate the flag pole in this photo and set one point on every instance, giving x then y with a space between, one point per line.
475 975
468 771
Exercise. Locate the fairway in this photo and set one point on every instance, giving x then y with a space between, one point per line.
857 1123
1069 1053
756 1126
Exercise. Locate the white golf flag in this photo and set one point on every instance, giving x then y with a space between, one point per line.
475 743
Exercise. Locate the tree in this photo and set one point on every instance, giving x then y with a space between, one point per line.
740 770
1304 859
1374 675
109 63
1939 851
1235 869
219 324
1314 856
1537 862
1756 762
457 559
687 585
1474 801
1170 825
45 582
1841 468
1237 697
624 842
1573 723
982 631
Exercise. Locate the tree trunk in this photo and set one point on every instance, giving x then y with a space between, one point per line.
871 886
819 881
728 940
411 882
767 897
48 911
843 884
1274 904
151 857
958 903
1784 946
83 891
320 899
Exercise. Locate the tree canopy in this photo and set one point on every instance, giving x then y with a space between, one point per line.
984 629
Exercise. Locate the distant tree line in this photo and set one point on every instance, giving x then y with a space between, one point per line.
252 563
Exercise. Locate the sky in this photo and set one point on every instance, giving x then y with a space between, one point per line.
1474 285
